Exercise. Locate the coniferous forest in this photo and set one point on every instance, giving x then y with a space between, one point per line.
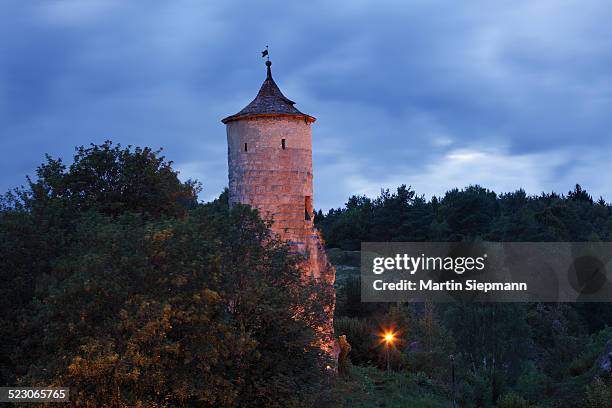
120 284
503 355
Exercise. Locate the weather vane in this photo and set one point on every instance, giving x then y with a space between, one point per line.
265 53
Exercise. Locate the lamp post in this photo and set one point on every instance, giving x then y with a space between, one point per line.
389 338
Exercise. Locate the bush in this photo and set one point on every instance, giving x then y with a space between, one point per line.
476 390
533 384
359 335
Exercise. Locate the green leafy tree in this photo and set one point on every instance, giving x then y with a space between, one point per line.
38 222
197 310
121 288
112 180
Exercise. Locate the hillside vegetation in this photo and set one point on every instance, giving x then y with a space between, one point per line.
504 355
119 284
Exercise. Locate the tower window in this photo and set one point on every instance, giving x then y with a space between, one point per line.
245 147
307 208
283 143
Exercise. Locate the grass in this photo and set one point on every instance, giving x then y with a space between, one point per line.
368 387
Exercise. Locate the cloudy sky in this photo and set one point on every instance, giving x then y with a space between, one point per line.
433 94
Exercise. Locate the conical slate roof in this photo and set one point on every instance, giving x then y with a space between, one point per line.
269 101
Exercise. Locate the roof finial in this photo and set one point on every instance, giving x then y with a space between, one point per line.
269 74
266 53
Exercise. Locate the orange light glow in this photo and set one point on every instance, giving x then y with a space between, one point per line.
389 337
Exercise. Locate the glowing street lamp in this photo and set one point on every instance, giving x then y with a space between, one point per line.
388 338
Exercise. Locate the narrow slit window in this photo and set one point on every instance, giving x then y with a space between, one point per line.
245 147
283 143
307 208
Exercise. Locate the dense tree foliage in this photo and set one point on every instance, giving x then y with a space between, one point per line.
110 180
471 213
119 286
504 355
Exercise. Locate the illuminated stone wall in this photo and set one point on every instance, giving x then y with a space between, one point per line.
275 180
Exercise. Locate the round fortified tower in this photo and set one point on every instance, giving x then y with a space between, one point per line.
270 163
270 168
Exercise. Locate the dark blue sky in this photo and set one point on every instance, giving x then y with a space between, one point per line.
433 94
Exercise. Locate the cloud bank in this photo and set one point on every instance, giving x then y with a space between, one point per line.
431 94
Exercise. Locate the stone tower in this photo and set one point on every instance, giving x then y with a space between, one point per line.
270 168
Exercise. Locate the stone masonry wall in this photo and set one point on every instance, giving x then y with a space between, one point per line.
275 180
